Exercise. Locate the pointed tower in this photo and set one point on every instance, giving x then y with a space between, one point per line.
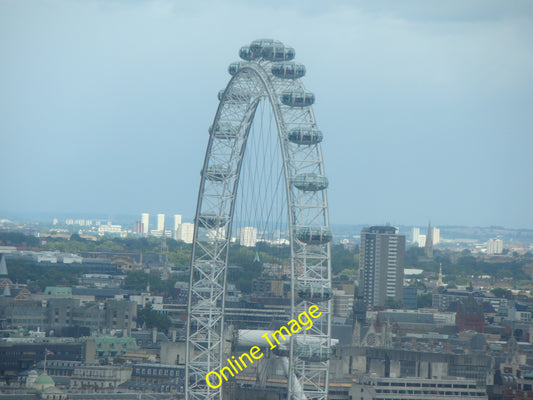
163 257
428 250
3 267
5 283
440 282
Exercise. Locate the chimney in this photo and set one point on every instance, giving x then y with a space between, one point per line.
154 335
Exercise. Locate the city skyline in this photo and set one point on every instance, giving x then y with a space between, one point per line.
122 131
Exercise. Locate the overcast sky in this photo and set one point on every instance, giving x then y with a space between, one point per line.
426 107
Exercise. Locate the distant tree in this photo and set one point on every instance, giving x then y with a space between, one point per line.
342 258
390 302
154 319
502 293
425 300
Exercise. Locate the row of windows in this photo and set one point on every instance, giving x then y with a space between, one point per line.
156 371
428 385
437 392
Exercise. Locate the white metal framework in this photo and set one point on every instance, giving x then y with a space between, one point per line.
267 74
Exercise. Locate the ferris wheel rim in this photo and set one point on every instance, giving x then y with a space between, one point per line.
258 72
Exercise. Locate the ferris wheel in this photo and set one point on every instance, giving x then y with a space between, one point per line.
263 141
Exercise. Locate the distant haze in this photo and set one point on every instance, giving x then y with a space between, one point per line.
426 107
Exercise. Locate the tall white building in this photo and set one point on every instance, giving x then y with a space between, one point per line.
421 240
177 221
494 246
185 232
145 220
416 234
248 236
436 235
160 222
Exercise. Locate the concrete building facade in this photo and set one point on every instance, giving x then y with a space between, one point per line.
381 264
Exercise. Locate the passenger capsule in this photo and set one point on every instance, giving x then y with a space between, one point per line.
257 46
278 52
313 352
247 54
288 70
211 220
217 173
235 67
234 96
314 235
305 136
315 292
310 182
297 98
224 131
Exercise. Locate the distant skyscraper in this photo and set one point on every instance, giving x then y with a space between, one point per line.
381 264
416 234
248 237
185 232
421 240
177 221
161 222
436 235
138 228
145 220
494 246
428 248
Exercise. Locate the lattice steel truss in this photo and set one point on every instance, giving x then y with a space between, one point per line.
253 81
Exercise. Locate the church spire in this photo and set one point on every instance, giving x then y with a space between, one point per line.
428 250
3 267
440 282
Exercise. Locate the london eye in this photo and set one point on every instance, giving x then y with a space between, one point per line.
262 175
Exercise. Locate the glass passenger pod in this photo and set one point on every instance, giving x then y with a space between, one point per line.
246 53
234 96
211 220
288 70
217 173
305 136
313 352
224 131
314 235
297 98
278 52
310 182
257 46
315 292
235 67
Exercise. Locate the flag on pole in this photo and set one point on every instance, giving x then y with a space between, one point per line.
49 353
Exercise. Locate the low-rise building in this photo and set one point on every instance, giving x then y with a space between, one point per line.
379 388
99 378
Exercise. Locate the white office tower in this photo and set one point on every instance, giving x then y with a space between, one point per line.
160 222
421 240
494 246
248 237
145 220
416 234
177 221
185 232
436 235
